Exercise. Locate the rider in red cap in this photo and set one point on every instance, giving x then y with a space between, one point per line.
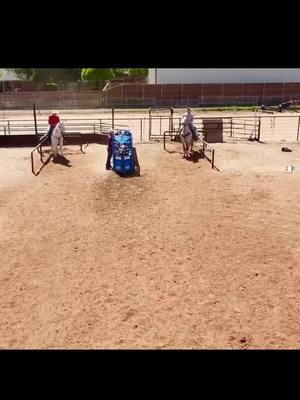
53 120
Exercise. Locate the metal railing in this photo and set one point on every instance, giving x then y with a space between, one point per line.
38 148
266 127
205 146
44 139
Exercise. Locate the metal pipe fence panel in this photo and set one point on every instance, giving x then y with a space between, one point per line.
272 127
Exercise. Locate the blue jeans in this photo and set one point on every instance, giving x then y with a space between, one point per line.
109 156
50 131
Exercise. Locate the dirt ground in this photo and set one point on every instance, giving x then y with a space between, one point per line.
181 257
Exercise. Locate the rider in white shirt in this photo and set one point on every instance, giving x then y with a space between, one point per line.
190 119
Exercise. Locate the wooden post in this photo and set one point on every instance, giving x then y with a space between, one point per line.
34 116
113 118
213 159
230 126
141 129
298 129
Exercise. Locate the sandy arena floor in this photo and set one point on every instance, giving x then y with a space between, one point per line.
181 257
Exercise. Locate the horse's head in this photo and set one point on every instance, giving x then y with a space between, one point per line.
184 120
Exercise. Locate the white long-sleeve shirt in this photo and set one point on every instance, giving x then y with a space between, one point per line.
190 118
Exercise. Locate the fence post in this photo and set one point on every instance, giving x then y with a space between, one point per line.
231 127
242 92
282 92
171 119
150 123
298 129
259 126
160 125
141 127
34 116
222 101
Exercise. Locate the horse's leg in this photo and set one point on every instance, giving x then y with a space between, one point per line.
61 143
188 144
55 147
183 146
52 146
191 147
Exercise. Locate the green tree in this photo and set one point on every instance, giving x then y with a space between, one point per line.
97 74
48 74
24 73
143 72
120 71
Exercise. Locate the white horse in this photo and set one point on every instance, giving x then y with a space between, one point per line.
186 136
57 138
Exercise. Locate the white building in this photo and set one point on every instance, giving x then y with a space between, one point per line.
223 75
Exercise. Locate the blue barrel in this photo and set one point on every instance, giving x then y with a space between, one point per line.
122 149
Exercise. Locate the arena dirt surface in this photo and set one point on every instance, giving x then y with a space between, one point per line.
180 257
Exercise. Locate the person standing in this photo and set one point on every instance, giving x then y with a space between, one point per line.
53 120
109 149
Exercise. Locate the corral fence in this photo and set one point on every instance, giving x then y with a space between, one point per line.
126 95
265 128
